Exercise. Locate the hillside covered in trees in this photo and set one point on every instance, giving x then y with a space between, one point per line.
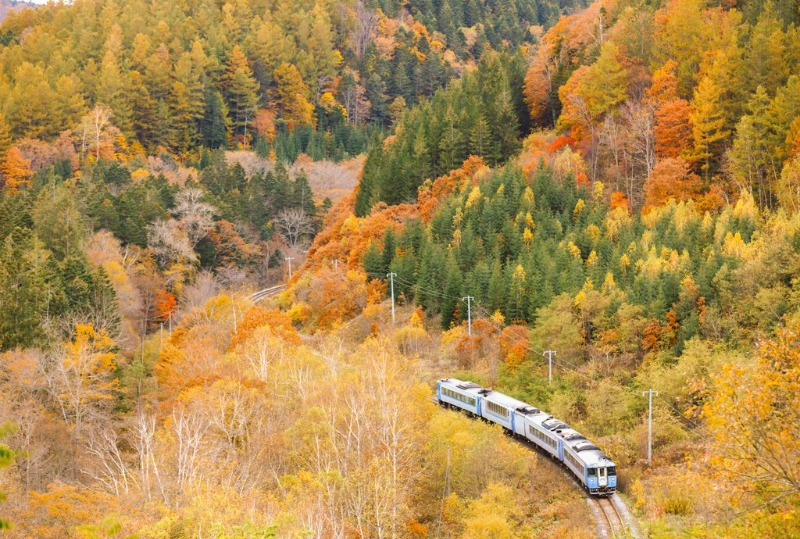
672 100
616 183
646 231
286 76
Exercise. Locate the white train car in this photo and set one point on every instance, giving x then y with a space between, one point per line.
537 432
580 456
455 393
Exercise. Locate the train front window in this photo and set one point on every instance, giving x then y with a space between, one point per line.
612 470
592 472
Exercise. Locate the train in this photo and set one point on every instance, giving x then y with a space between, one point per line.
591 467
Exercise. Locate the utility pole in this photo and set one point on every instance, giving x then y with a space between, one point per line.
649 393
469 300
391 277
289 260
549 354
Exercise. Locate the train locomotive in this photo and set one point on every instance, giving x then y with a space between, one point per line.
595 471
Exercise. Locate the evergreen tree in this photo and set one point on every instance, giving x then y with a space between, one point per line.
241 91
293 97
5 138
373 262
213 123
27 290
143 109
708 124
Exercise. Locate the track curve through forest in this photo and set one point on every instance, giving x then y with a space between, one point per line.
612 516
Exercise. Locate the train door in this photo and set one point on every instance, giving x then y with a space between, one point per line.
478 407
602 477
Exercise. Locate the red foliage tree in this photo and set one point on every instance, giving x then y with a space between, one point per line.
164 305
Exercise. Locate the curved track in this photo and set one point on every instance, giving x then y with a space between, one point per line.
612 523
267 292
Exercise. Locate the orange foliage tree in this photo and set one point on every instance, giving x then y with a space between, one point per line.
514 344
264 124
619 200
670 179
16 169
256 317
673 130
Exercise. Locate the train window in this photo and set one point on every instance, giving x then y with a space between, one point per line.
458 396
612 470
592 472
497 409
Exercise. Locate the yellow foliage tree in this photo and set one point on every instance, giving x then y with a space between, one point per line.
494 515
84 376
754 417
293 96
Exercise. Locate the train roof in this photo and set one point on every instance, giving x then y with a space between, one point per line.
596 458
472 387
586 450
511 403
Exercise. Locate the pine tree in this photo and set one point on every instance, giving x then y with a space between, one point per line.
293 97
143 109
27 290
241 91
480 136
69 104
214 122
182 135
158 73
708 124
450 303
389 247
31 104
373 262
765 58
58 223
451 144
497 286
5 137
112 91
162 124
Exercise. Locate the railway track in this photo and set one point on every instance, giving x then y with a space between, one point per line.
611 522
267 292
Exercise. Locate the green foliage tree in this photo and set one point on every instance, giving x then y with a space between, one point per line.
241 92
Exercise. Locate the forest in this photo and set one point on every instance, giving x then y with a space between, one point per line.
618 182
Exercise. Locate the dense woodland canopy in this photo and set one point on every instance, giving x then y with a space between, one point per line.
662 100
617 183
181 75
